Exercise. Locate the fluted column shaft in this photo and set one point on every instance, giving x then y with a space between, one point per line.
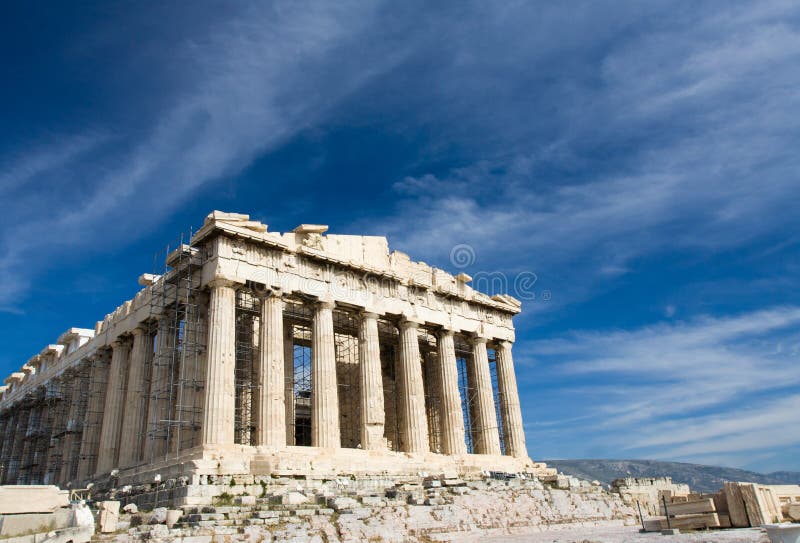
7 445
413 422
271 430
220 390
135 411
160 389
373 415
15 463
5 431
453 437
324 395
71 441
487 439
28 448
510 412
108 456
93 416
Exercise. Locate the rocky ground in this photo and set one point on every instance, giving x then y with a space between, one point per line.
433 510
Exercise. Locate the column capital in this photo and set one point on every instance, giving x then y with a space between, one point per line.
410 321
474 340
221 282
504 343
270 292
366 314
325 304
140 329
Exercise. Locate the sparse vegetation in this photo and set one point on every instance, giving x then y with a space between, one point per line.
224 499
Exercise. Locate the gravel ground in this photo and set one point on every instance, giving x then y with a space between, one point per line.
628 534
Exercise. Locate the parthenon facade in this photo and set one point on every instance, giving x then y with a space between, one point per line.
257 352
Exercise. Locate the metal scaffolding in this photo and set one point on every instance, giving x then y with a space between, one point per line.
175 373
27 461
430 378
389 343
497 395
7 424
50 405
348 380
63 430
297 317
18 441
75 421
248 323
93 377
466 389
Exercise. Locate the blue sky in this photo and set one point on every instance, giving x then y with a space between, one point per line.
641 159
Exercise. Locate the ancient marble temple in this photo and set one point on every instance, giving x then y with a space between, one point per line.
257 352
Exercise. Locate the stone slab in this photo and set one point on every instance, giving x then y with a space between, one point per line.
16 499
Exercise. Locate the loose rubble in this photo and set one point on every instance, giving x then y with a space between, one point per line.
422 510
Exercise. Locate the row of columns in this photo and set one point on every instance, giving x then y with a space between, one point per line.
271 408
118 396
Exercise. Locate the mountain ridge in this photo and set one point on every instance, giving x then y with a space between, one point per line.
699 477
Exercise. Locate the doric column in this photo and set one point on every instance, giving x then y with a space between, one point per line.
73 424
413 422
5 446
372 410
6 433
158 412
93 416
26 459
133 420
108 457
487 438
513 431
220 391
324 394
8 444
288 381
453 439
271 431
15 461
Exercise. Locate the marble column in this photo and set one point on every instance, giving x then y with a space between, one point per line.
288 381
452 417
413 422
31 428
372 410
18 436
6 433
271 430
133 420
73 425
513 431
8 443
108 457
93 416
58 417
220 390
161 387
324 394
487 437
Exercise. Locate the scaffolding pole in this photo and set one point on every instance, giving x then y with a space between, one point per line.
174 374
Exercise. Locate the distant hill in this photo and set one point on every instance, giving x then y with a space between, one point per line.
698 477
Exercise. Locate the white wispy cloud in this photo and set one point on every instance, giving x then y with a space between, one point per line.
27 165
686 390
256 80
700 111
